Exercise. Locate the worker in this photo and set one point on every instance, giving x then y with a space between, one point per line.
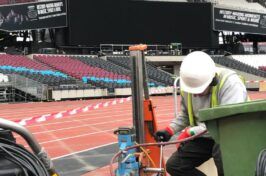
203 85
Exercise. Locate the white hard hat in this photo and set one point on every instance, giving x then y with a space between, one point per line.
196 72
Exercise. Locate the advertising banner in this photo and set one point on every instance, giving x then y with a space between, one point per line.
239 21
49 14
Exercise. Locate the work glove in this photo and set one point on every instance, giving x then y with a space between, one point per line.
164 135
188 132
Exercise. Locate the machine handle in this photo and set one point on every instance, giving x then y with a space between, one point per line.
138 47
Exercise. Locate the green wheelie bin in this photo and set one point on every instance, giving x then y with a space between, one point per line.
240 129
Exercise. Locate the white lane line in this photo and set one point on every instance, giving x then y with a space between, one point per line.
87 125
86 150
77 136
82 135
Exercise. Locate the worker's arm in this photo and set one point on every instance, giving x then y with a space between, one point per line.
176 125
182 121
233 91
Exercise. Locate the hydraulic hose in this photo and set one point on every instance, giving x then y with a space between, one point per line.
151 144
25 160
31 140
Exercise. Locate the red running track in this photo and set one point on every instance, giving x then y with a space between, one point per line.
84 131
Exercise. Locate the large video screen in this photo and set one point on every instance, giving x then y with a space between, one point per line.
239 21
37 15
94 22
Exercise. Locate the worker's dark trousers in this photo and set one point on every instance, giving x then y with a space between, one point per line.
192 154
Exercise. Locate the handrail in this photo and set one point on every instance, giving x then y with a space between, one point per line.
175 97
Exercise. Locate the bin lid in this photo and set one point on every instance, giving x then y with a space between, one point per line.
232 109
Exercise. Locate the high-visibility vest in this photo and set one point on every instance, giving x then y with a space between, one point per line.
222 77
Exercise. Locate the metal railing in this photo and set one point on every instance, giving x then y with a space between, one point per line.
176 89
29 86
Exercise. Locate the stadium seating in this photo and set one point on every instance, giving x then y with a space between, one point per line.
256 61
4 2
93 70
89 74
263 68
109 66
12 64
21 61
238 64
252 60
163 78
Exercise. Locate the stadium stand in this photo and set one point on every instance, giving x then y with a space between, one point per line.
98 62
4 2
153 73
234 62
95 71
256 61
14 64
112 67
88 74
252 60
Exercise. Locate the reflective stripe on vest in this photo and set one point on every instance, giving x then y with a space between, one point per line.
215 90
190 110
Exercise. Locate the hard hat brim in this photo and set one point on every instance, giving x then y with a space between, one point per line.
194 90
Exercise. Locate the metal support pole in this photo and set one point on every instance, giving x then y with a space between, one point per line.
145 78
175 97
137 92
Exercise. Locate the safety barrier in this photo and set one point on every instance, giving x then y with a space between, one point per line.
62 114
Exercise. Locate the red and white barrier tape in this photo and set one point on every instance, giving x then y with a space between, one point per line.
256 81
62 114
